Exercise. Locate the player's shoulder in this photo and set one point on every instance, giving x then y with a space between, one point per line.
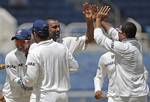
59 45
11 55
73 38
69 38
107 55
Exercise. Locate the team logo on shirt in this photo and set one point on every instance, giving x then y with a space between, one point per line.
31 63
10 66
112 44
20 65
110 63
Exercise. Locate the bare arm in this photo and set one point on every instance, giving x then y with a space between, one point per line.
89 12
106 25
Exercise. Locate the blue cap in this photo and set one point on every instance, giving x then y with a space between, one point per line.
22 34
41 27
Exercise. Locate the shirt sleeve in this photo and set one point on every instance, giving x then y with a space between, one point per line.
100 75
75 44
11 68
116 47
32 71
145 74
113 33
72 63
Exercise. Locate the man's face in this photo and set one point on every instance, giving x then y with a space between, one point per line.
121 34
54 28
23 45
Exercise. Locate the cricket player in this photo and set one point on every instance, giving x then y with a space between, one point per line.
76 44
48 67
106 66
15 67
130 80
73 43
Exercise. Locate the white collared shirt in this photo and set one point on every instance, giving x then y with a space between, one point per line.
106 68
75 44
129 66
48 67
15 67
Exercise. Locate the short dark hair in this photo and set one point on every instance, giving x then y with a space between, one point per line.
129 29
44 34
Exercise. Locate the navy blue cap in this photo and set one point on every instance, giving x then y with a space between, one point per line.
22 34
41 27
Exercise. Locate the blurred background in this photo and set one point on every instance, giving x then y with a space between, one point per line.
15 14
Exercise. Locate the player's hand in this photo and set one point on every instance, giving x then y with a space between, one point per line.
95 10
99 95
103 12
2 99
87 11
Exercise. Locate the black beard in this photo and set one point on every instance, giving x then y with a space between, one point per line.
55 36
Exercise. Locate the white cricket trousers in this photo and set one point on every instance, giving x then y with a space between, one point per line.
128 99
50 97
20 99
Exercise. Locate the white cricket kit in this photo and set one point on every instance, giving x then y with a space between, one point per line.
48 71
15 67
129 65
113 34
75 44
106 67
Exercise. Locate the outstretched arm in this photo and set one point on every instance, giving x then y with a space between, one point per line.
89 12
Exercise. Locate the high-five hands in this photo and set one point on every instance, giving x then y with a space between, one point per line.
90 11
101 15
103 12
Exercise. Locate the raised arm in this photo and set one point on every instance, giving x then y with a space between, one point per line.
112 32
89 12
116 47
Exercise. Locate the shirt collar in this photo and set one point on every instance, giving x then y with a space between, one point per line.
129 40
46 41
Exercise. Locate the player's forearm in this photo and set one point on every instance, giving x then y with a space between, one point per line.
98 83
106 25
22 84
98 23
90 30
98 35
11 72
73 65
